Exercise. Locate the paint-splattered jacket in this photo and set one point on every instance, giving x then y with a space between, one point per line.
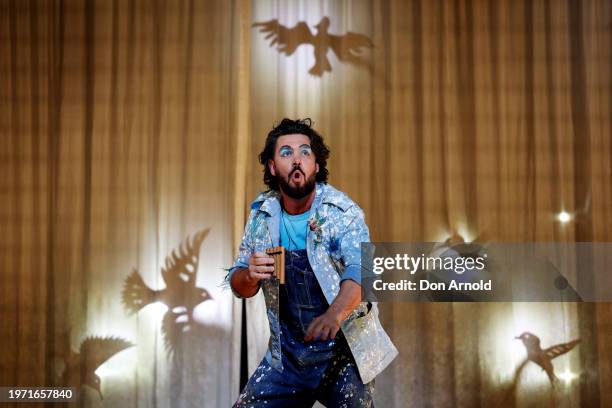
337 228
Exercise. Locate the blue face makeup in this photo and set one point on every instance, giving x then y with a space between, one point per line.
287 151
305 151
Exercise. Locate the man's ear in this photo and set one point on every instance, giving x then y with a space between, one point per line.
272 167
317 168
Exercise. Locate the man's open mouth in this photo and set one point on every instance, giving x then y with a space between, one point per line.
296 174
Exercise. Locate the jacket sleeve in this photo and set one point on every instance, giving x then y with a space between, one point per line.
245 250
354 234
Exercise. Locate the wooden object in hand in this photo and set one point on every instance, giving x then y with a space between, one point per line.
278 253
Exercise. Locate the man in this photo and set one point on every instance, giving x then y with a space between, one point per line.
325 344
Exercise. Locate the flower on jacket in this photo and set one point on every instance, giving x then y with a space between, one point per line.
316 224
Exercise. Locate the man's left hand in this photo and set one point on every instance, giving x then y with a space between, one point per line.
323 327
327 325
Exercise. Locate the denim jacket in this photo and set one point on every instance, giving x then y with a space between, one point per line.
336 229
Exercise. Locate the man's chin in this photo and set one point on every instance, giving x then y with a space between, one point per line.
297 191
296 184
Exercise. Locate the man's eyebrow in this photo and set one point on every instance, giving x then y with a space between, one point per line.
289 147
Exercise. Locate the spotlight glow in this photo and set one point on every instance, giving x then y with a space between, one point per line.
465 233
564 217
157 309
567 376
120 365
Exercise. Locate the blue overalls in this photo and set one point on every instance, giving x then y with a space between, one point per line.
315 370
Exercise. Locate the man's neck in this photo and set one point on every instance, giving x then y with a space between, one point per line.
297 206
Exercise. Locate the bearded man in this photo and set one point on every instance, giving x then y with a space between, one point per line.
325 344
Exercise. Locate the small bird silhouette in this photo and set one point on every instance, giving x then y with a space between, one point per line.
181 295
543 357
80 368
347 47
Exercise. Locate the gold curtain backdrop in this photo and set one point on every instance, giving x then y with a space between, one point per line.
117 145
127 127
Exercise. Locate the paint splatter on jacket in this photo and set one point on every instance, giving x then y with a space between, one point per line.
336 230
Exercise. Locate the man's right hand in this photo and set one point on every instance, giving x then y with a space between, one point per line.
261 266
245 281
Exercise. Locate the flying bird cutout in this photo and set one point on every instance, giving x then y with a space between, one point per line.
543 357
181 294
80 367
347 47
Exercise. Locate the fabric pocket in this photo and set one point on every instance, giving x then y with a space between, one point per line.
305 284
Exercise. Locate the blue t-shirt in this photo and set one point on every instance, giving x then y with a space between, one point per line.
293 230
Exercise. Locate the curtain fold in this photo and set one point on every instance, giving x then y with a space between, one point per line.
119 145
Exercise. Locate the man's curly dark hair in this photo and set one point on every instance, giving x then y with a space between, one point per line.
290 127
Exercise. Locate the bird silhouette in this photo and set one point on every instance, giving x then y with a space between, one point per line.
543 357
80 367
181 295
347 47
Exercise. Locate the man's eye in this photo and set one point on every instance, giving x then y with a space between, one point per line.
285 153
306 152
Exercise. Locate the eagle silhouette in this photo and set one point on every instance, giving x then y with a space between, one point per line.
181 295
543 357
80 367
347 47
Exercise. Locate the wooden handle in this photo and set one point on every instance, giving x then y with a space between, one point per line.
278 253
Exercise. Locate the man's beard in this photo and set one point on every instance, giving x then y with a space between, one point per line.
297 192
